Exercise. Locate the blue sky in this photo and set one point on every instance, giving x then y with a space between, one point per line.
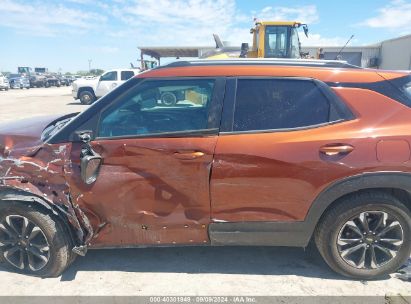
63 35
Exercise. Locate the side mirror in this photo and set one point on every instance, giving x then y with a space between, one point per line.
305 28
244 50
90 168
90 161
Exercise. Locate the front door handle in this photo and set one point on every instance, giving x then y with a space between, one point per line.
336 149
187 155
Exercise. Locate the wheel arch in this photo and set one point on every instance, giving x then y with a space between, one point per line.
84 89
300 233
17 196
397 184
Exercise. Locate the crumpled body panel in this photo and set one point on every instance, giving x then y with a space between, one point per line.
39 173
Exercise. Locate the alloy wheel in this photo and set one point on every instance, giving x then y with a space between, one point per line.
23 244
370 240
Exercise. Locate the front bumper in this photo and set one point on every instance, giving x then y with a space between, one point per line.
74 93
18 85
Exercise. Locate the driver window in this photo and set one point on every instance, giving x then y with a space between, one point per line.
110 76
159 106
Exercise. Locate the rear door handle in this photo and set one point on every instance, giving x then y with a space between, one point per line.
187 155
336 149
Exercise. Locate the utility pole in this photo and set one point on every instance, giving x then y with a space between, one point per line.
89 64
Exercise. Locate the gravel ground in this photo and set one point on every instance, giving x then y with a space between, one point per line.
179 271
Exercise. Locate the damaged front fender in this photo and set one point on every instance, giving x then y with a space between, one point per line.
39 176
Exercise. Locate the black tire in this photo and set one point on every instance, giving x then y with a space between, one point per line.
58 240
347 210
46 84
87 97
168 99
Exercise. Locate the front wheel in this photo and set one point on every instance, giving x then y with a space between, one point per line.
32 241
366 236
87 97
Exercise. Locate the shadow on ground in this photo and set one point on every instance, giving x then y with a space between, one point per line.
75 103
225 260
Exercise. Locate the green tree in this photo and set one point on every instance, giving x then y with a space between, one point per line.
96 72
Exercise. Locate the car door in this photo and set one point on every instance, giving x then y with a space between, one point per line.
153 185
281 140
107 82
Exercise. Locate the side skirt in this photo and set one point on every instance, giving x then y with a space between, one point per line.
294 234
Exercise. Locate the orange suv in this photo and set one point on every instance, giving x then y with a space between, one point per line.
238 152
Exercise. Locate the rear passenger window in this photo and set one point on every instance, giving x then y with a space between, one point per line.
264 104
126 75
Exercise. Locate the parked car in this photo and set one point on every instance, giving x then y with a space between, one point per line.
89 90
4 83
63 80
265 153
18 81
70 79
37 80
52 80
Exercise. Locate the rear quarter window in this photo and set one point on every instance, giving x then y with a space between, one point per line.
407 89
404 86
126 75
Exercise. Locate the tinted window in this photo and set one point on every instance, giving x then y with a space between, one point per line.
110 76
407 88
263 104
126 75
159 106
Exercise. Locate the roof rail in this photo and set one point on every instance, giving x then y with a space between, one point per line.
264 61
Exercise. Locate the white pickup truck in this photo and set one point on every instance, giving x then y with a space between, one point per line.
4 82
89 90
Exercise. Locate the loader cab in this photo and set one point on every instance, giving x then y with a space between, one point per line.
276 40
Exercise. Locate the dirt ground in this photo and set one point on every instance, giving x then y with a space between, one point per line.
230 271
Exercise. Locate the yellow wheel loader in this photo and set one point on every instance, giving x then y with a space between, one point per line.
277 39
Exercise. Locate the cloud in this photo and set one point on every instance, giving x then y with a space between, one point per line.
192 22
318 40
396 15
305 14
161 22
178 22
147 22
46 19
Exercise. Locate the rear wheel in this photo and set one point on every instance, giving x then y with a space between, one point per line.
366 236
87 97
32 241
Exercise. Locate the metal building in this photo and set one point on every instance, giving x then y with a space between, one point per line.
393 54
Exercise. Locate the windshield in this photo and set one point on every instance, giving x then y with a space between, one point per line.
281 42
55 127
276 41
